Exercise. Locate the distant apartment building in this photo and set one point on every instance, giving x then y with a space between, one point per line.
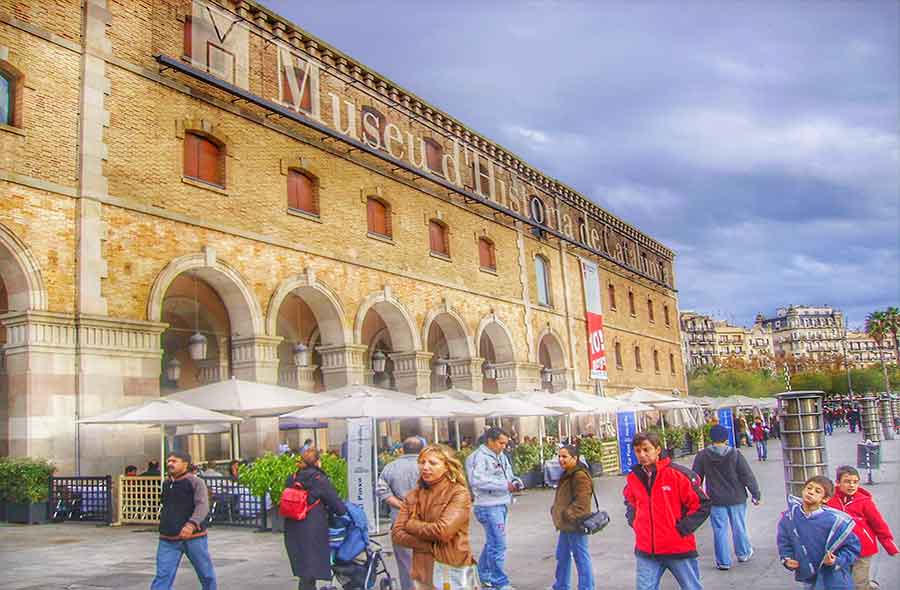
708 341
863 351
813 332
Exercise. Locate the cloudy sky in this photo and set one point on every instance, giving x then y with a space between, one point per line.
759 140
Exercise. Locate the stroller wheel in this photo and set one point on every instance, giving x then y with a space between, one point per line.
388 584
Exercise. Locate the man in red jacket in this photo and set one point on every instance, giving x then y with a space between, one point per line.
870 526
664 505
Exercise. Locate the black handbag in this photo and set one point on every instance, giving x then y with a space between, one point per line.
597 521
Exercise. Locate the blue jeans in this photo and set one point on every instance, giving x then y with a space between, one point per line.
568 546
490 563
720 517
762 450
650 572
168 556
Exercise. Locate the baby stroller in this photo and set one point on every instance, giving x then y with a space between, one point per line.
356 561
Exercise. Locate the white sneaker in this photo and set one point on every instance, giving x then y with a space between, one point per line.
747 557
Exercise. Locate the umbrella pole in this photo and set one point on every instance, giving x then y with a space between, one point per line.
434 430
541 442
162 452
456 429
375 472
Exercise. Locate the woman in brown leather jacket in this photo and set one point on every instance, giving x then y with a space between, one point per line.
571 504
434 519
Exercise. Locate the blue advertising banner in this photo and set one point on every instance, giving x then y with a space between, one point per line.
726 420
627 424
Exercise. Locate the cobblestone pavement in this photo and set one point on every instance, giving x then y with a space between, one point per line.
76 556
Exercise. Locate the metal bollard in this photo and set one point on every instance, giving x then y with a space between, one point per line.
803 438
887 416
869 417
895 406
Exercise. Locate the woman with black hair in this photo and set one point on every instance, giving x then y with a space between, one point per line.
571 505
306 541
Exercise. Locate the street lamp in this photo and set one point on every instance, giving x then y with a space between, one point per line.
173 369
197 342
301 355
379 359
440 366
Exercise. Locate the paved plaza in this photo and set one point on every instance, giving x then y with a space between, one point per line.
76 556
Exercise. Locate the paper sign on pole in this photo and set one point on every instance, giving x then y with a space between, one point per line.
594 315
627 427
727 421
360 485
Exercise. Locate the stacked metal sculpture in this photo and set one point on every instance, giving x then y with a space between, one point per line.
803 438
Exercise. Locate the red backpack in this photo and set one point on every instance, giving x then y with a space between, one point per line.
295 502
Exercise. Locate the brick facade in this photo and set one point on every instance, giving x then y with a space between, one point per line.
122 243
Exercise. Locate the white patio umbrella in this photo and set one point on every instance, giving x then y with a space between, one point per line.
467 394
447 407
646 397
216 428
161 412
510 407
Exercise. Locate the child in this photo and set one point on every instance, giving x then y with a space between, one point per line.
817 542
858 503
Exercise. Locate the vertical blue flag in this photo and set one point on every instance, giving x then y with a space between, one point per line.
726 421
627 424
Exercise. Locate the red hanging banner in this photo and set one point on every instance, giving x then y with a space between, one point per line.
594 316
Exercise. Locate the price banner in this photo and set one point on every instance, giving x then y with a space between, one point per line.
594 315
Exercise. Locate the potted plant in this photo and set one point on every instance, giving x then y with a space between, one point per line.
592 450
674 440
266 476
25 483
336 469
463 454
527 464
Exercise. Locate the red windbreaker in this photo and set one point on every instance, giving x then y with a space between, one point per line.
666 511
869 523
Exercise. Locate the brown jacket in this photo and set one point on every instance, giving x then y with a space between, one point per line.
573 499
434 522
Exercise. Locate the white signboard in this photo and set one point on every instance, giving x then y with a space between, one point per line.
360 483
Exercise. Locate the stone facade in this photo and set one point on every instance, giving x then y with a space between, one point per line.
863 351
708 341
803 331
112 257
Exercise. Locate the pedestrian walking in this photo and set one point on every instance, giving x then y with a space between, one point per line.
760 434
572 504
817 542
306 540
743 431
492 482
870 527
434 523
182 525
727 476
664 505
397 480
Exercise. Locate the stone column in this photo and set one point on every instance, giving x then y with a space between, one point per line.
255 358
412 371
343 365
467 373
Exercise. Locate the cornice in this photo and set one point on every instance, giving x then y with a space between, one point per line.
374 83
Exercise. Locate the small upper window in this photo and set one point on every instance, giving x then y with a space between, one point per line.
438 236
666 314
637 358
7 93
656 361
203 159
379 217
662 272
483 183
650 310
302 192
434 156
631 308
618 350
486 257
542 274
611 289
672 363
373 123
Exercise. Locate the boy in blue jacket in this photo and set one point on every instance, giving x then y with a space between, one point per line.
817 542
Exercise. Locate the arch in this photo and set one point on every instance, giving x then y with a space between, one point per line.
323 302
454 328
500 338
404 336
244 312
25 289
555 349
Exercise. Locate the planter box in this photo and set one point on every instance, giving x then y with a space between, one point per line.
596 469
2 510
27 513
533 479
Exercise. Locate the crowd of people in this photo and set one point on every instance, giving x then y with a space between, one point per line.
826 537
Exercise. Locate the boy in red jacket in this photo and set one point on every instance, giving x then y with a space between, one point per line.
870 526
664 504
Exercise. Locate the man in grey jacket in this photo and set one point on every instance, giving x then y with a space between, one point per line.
399 478
492 481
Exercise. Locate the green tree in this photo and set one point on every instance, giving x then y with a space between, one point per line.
892 323
877 329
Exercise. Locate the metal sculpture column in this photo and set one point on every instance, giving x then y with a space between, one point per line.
887 416
803 438
895 405
868 452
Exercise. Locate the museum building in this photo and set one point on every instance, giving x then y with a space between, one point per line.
192 191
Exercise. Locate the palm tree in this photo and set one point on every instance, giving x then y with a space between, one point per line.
892 314
876 327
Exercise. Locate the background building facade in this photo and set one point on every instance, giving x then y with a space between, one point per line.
813 332
191 191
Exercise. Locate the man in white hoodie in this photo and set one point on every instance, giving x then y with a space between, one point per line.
492 481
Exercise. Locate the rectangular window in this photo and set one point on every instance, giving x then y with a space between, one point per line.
6 100
203 159
378 217
486 255
437 234
302 193
611 289
666 315
543 280
656 361
631 308
618 349
637 358
672 363
434 156
650 310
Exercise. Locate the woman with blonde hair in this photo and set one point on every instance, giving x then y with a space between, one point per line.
434 523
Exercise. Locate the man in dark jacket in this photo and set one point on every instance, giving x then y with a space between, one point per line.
728 477
664 505
182 525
